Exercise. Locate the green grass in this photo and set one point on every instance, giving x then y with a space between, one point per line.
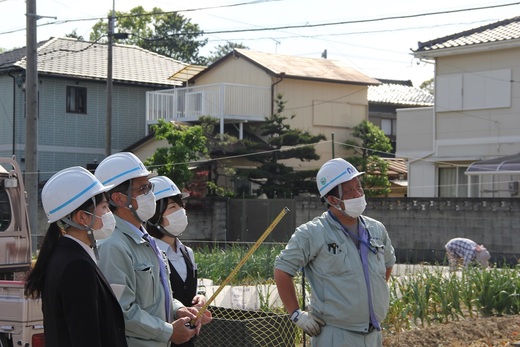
433 297
427 297
216 263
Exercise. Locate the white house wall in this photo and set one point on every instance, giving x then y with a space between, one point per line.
320 107
415 134
476 117
485 132
235 70
324 108
421 174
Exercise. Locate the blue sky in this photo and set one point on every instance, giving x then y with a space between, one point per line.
377 46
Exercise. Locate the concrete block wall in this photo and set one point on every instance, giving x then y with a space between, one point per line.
419 227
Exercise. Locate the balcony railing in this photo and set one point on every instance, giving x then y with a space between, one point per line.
228 102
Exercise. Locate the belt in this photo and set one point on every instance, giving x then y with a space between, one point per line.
371 328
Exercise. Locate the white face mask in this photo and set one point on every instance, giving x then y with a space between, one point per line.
354 207
109 224
178 221
146 206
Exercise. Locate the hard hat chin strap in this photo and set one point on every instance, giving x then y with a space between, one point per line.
67 221
340 191
157 224
129 201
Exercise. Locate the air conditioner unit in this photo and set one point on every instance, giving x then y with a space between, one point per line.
513 187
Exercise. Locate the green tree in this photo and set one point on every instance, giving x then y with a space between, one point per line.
186 144
219 146
275 178
371 144
73 34
428 86
221 50
169 34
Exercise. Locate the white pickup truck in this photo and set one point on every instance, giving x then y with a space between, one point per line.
21 319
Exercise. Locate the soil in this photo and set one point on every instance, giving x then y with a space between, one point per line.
479 332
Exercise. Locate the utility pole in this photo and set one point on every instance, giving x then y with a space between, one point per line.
108 130
31 119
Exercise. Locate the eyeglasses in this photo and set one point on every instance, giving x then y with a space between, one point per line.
145 189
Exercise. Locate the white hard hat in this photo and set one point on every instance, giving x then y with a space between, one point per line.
120 167
164 187
67 190
334 172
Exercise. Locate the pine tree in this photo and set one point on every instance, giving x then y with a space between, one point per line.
275 178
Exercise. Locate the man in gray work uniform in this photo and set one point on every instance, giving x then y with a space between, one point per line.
347 259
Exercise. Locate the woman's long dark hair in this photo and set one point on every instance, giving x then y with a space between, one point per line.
36 279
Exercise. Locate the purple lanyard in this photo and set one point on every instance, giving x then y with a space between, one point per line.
363 252
164 279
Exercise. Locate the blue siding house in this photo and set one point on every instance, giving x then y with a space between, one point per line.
72 98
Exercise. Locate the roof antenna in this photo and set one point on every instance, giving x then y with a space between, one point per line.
276 45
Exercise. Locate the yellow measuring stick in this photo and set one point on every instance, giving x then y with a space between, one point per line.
244 259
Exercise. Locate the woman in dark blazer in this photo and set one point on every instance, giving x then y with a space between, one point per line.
79 306
166 225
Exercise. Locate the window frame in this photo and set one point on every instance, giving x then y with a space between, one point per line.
80 100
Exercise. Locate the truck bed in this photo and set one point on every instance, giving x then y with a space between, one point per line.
16 308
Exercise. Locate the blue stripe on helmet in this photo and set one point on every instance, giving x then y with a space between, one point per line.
73 198
333 180
161 191
121 174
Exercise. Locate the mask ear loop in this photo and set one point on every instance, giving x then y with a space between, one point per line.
88 228
90 231
340 193
129 201
157 224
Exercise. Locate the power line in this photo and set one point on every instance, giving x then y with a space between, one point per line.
352 21
370 20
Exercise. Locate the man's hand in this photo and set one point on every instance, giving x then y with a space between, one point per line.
206 316
309 323
191 313
199 300
181 331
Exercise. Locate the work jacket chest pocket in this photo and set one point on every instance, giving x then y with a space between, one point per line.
145 285
333 260
378 255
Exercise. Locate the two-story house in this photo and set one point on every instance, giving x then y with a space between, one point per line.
476 116
72 94
326 96
386 98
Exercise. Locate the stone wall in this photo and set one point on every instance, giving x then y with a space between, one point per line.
419 227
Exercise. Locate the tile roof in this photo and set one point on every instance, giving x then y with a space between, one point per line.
397 169
81 59
508 29
396 93
396 166
315 69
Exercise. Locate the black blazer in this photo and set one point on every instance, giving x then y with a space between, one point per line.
79 307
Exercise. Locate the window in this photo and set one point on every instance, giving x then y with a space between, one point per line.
388 126
453 183
5 210
77 100
473 91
